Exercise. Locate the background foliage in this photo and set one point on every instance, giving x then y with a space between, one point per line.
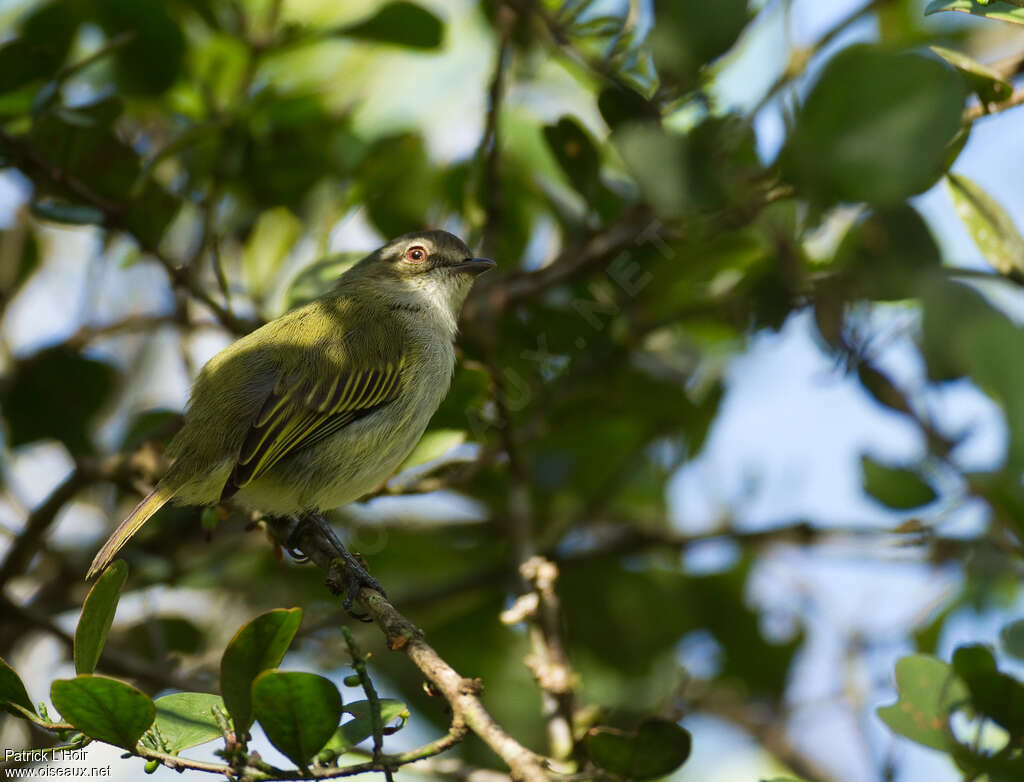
177 171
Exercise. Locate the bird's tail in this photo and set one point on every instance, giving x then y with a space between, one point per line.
153 502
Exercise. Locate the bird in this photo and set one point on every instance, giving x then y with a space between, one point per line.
320 406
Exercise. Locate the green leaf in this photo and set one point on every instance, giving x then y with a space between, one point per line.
689 34
928 691
1012 638
875 127
151 61
257 646
432 445
993 693
576 154
272 238
992 229
42 46
185 719
298 711
98 615
104 709
895 487
71 214
989 85
361 728
402 24
655 749
993 9
38 406
317 278
12 690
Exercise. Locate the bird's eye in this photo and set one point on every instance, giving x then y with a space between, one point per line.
416 254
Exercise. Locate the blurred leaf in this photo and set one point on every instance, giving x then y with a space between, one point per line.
257 646
620 106
689 34
576 154
928 693
104 709
1012 638
155 424
989 85
72 214
875 127
399 183
269 243
963 335
12 690
401 24
318 278
992 229
885 253
996 695
19 258
298 711
42 46
185 719
150 63
56 394
98 615
993 9
155 637
895 487
655 749
434 444
361 728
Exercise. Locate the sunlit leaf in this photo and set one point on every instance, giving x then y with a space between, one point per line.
185 719
98 615
928 692
992 229
258 645
103 708
993 9
874 127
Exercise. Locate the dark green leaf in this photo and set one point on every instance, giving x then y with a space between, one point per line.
185 719
72 214
155 637
42 47
989 85
875 127
257 646
576 154
885 253
895 487
402 24
994 694
992 229
97 616
12 690
1012 638
655 749
152 59
928 693
56 394
689 34
298 711
993 9
104 709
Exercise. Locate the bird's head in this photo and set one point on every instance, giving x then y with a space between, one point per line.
422 271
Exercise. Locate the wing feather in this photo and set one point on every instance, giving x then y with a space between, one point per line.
297 415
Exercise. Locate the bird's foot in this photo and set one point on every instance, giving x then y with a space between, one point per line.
347 573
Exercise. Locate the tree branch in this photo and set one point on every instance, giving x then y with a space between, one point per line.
462 694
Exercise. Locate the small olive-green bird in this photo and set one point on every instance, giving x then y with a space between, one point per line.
322 405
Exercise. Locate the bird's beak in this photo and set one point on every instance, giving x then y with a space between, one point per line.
474 265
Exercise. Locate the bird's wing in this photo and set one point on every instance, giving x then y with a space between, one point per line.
298 414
